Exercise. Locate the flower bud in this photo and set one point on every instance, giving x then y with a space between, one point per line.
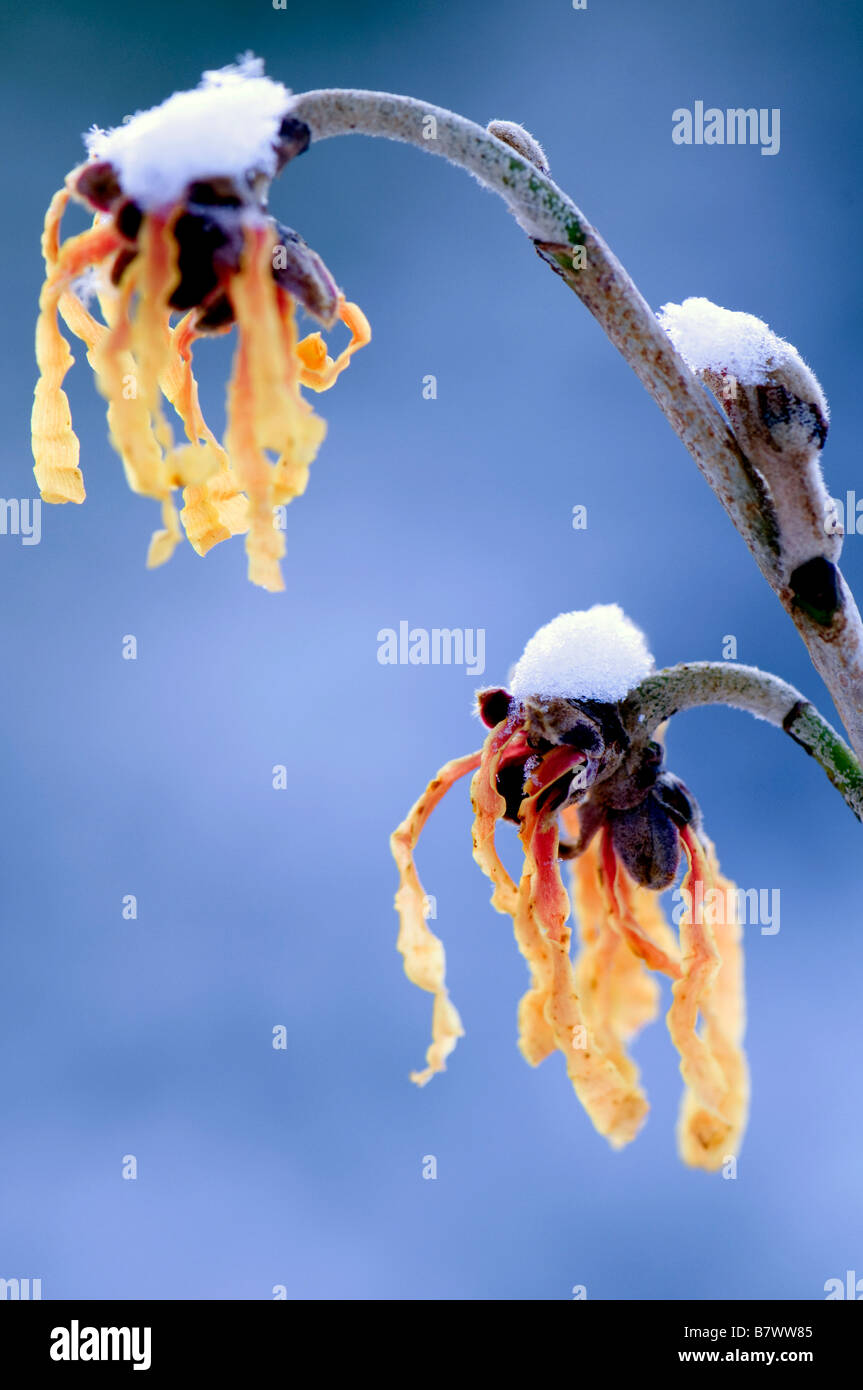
300 271
777 410
646 842
520 140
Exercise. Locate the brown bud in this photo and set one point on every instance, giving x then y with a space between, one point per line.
300 271
520 140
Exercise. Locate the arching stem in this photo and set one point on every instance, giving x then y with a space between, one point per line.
570 245
697 683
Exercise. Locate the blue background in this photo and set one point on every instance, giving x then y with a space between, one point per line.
257 907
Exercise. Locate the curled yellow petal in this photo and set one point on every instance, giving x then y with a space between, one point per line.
265 408
710 1134
423 952
214 506
55 445
612 1098
138 359
701 961
618 994
320 371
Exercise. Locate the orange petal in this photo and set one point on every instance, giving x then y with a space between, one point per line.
320 374
55 446
701 962
708 1134
613 1100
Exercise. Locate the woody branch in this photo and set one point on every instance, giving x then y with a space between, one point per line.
567 241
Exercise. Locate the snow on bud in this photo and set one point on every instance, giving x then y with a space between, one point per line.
779 414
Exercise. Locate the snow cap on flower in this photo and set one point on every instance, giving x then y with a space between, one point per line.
228 126
594 654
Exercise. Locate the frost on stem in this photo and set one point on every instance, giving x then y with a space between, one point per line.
181 228
560 765
779 414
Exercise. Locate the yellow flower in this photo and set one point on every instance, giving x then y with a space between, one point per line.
213 252
577 785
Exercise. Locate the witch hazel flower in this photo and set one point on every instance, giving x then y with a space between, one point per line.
779 415
567 765
182 247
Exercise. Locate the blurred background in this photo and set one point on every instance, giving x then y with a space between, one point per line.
152 1037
